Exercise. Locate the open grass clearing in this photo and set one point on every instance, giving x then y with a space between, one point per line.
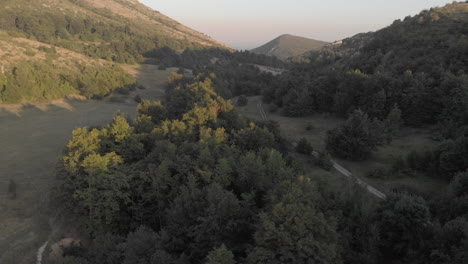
266 69
32 138
314 129
407 140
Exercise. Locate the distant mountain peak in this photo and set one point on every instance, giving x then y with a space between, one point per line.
287 45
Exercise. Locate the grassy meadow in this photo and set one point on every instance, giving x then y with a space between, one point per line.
314 129
32 138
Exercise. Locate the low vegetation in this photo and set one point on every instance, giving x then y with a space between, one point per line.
34 80
304 147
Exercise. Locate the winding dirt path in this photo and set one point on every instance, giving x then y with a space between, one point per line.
372 190
40 252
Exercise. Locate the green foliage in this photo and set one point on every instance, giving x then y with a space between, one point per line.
106 249
242 100
30 53
356 139
451 242
199 176
453 202
91 31
393 122
304 147
221 255
197 180
155 110
443 161
137 99
325 162
39 81
403 224
236 71
140 246
254 138
453 155
292 231
418 65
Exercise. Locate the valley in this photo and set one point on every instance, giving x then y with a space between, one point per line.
127 137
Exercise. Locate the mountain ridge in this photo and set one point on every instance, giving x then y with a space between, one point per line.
157 17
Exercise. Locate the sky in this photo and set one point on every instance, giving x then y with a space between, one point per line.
246 24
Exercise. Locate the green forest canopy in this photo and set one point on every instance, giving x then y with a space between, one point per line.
206 184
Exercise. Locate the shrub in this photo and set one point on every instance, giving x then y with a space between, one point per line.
304 147
356 139
325 162
51 50
137 99
122 90
132 87
30 53
242 101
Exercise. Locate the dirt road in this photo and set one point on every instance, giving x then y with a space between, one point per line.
372 190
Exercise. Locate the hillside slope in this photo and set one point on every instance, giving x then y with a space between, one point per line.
34 71
41 37
434 34
286 46
419 64
117 30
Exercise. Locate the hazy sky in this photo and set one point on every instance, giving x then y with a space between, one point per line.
245 24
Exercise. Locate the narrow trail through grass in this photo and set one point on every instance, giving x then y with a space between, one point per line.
32 139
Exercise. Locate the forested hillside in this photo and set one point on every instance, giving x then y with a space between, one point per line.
34 71
191 180
412 73
54 48
418 65
115 30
